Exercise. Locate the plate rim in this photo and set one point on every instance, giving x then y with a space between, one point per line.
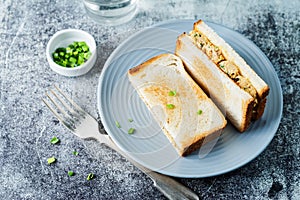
191 21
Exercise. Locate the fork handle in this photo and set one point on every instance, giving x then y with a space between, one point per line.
171 188
168 186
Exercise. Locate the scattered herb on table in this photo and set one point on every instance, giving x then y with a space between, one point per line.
54 140
75 153
72 56
199 112
90 176
70 173
130 120
51 160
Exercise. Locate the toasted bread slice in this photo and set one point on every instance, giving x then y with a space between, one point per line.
204 62
181 108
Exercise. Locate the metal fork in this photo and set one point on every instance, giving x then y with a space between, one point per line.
85 126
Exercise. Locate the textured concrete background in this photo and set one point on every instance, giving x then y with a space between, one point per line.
26 125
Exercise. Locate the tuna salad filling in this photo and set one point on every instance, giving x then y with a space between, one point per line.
215 54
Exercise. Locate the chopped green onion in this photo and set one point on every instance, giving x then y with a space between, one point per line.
73 55
85 48
54 140
70 173
75 44
170 106
51 160
55 55
118 124
199 112
90 176
80 60
75 153
81 43
69 50
72 59
87 55
172 93
131 131
62 53
130 120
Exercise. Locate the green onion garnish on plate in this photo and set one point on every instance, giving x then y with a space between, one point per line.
118 124
170 106
172 93
131 131
199 112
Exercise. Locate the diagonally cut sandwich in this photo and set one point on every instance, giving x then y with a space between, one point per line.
224 75
186 115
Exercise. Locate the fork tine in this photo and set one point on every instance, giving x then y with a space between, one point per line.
58 116
71 110
56 104
70 100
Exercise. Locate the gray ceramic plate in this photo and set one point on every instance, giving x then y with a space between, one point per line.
118 101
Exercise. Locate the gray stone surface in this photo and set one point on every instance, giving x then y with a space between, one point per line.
26 125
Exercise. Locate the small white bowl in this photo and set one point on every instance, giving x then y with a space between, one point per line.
62 39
